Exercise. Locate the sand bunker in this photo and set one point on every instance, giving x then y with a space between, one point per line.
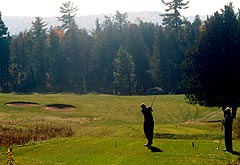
21 103
59 106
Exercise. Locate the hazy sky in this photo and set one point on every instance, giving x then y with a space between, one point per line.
44 8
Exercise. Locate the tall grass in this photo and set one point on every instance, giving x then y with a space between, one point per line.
10 134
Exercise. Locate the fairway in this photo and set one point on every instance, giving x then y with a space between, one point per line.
108 130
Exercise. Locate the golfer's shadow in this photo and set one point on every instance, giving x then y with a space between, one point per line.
235 152
155 149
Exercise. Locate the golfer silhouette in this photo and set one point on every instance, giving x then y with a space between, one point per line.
148 125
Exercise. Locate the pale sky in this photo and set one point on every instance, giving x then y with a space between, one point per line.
47 8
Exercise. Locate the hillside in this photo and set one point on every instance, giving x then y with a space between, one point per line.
20 24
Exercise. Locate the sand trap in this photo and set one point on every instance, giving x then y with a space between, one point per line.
59 106
21 104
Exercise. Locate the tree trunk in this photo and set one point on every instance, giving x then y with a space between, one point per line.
234 111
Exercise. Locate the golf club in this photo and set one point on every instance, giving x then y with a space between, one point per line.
220 137
153 100
156 90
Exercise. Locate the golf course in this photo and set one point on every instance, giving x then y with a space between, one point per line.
98 129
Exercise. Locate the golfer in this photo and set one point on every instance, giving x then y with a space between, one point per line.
148 125
227 122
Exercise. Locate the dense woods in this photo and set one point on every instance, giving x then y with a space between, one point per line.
212 66
116 57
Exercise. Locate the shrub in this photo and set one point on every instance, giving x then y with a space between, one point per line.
38 132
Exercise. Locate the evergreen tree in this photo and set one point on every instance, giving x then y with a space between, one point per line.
120 20
21 71
76 49
172 18
147 30
4 57
165 63
108 43
190 33
136 47
168 62
85 59
148 33
158 46
95 56
124 74
68 10
195 30
212 68
57 62
39 59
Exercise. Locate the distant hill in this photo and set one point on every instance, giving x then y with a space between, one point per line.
19 24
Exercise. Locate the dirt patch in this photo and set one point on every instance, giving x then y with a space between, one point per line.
21 104
59 106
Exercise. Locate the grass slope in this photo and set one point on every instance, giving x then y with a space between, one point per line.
108 130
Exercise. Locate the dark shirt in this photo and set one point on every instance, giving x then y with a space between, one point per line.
228 120
147 113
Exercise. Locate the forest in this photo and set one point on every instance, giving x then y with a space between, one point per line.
117 56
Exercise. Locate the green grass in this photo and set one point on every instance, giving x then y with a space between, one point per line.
120 151
108 130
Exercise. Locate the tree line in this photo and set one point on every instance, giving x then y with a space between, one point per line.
211 67
117 56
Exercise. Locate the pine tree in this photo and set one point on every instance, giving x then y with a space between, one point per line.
95 53
4 57
76 49
154 67
21 71
191 32
120 20
172 18
165 63
124 74
39 60
108 43
170 48
68 10
134 44
57 62
212 68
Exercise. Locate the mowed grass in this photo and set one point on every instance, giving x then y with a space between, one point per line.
108 130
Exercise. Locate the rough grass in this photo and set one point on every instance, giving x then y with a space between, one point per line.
108 130
14 133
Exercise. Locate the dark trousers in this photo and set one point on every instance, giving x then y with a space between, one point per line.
148 131
228 138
